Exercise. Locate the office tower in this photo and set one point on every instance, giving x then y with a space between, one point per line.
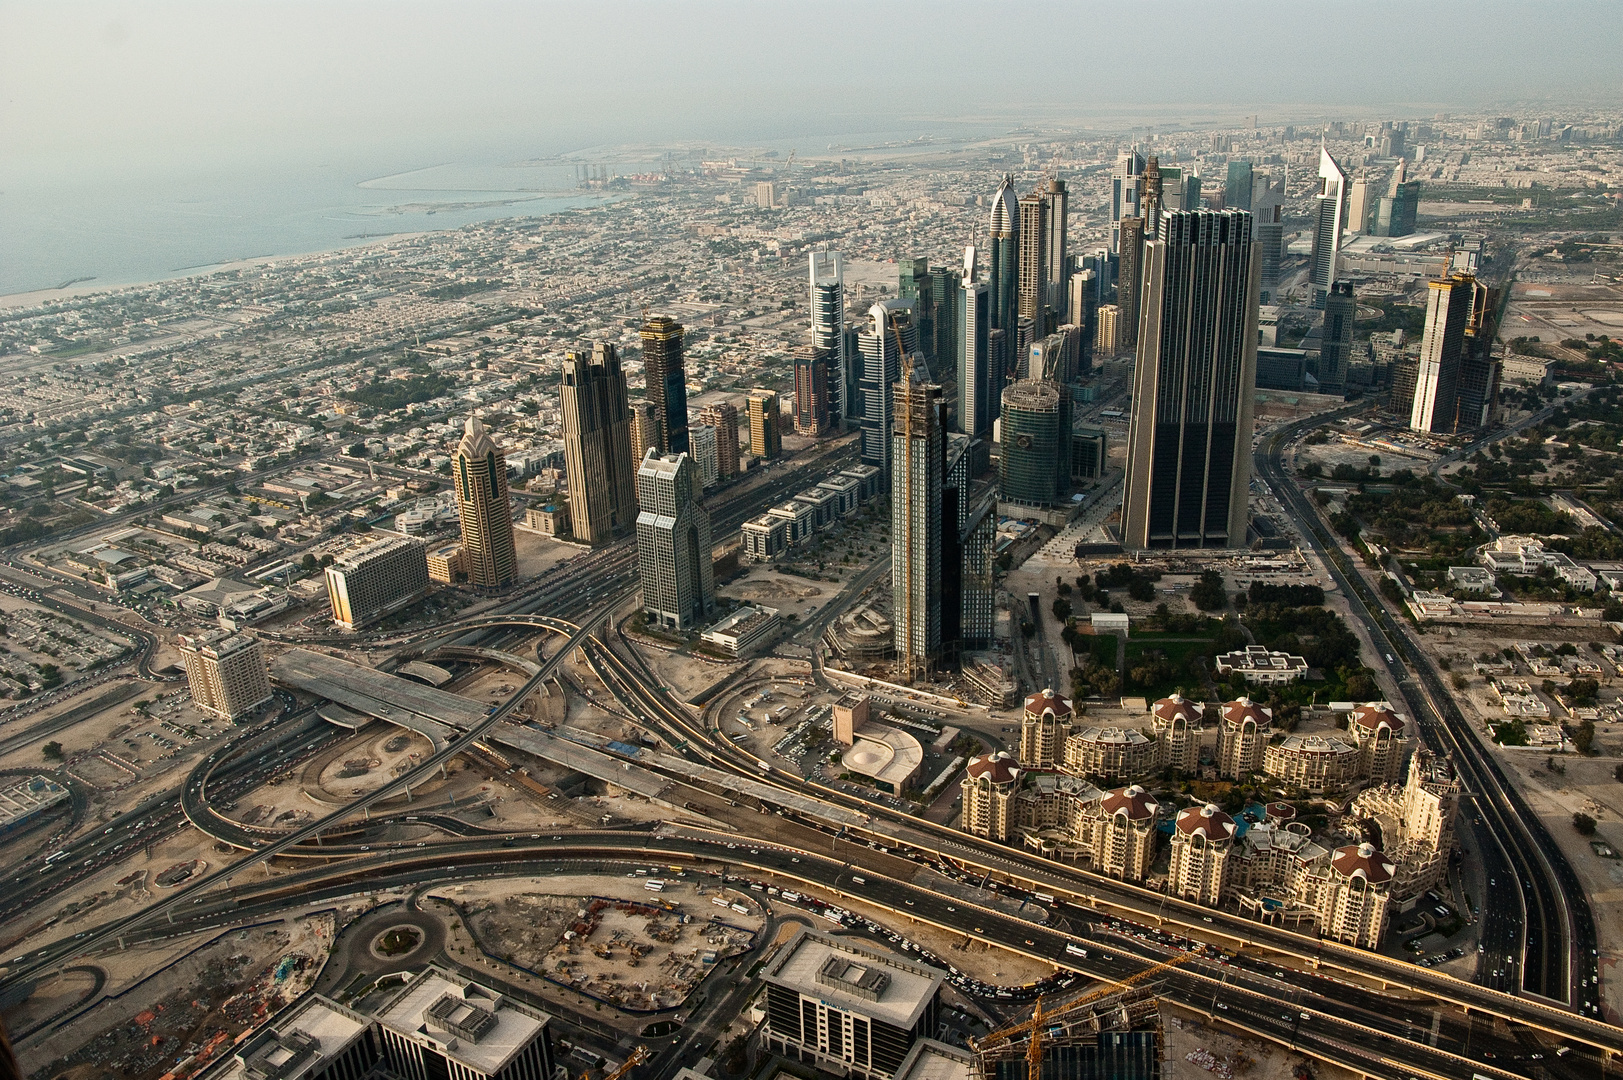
1003 251
945 285
1129 283
479 474
226 673
1449 304
975 378
1237 188
1330 218
1268 215
644 428
1400 399
828 332
376 578
440 1025
1189 448
1032 279
723 416
1360 206
766 194
597 445
1479 369
999 363
1054 251
1336 337
1107 338
702 437
1125 188
1034 466
1103 263
811 390
1395 214
314 1039
913 285
1151 194
673 544
1189 189
886 344
916 524
1082 312
1090 454
977 548
665 373
1055 357
1025 333
766 424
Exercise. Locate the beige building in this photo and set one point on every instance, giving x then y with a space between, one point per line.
1243 732
479 474
549 520
1383 742
1416 821
644 429
375 578
850 713
723 416
1314 763
988 788
1202 841
1107 332
1122 825
446 564
766 424
1353 902
1177 724
226 673
1112 754
1044 723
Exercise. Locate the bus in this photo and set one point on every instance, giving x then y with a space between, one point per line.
53 859
654 885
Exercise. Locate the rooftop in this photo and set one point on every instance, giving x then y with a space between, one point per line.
471 1024
865 980
298 1042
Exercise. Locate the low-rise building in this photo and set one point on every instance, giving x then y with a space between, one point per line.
744 631
549 520
1314 763
1112 754
1474 579
1261 667
764 538
446 564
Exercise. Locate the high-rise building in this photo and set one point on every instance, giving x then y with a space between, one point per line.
1125 188
916 524
1055 256
440 1025
887 344
828 332
644 428
766 424
673 544
1449 305
479 474
1003 250
1268 215
378 577
1040 282
1107 338
945 287
1202 841
1189 448
702 438
913 285
1237 187
665 372
1129 282
1082 312
597 445
1336 337
723 416
1329 220
1057 357
977 547
1395 214
811 390
1151 193
226 673
1360 205
976 410
1034 466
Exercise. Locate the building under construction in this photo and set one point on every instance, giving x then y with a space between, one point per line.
1114 1034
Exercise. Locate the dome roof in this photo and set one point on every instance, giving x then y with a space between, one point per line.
1171 708
999 768
1209 821
1046 700
1243 709
1281 811
1362 860
1372 716
1133 801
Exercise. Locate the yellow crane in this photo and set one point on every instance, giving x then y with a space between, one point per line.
638 1056
1035 1026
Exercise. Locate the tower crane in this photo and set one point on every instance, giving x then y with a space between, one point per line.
638 1056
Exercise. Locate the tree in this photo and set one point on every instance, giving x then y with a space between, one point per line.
1584 824
1460 681
1141 589
1062 608
1391 590
1208 593
308 562
1584 737
1617 774
53 751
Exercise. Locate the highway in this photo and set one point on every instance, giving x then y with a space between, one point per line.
1558 945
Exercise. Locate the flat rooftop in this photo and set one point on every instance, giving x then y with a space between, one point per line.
486 1029
21 798
932 1060
299 1042
871 982
366 690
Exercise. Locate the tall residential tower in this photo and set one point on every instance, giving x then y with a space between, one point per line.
597 445
479 472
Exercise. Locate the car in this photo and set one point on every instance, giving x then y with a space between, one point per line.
1222 1006
909 903
422 843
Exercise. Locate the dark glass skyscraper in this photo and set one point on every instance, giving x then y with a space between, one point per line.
1335 348
828 332
1129 282
665 374
1034 467
1189 446
1003 252
1237 188
811 390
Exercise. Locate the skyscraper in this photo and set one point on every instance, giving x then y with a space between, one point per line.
945 284
811 390
1336 337
1054 252
1360 206
1033 236
916 524
766 424
1034 465
1125 187
1268 213
828 332
1129 283
1395 214
1082 311
480 473
1237 188
913 285
723 416
1003 251
1189 445
644 428
1330 218
702 437
976 391
597 445
1150 196
1480 373
673 544
1449 304
887 344
226 673
666 374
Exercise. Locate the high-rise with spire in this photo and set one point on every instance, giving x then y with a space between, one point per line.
665 371
597 445
479 473
1003 255
1150 196
977 394
887 345
1125 186
1329 219
919 458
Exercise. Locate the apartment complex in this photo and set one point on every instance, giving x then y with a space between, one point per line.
376 578
226 673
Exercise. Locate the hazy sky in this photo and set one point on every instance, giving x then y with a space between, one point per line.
173 85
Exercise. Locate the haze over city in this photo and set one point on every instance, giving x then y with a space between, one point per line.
726 541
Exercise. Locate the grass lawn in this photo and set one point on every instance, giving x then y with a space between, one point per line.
1177 651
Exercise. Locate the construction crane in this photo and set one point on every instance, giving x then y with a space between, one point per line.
638 1056
1035 1026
